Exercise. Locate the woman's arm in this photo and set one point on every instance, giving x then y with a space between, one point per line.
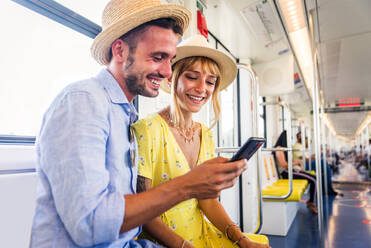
280 156
158 229
215 212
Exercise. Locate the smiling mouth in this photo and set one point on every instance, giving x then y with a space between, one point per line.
155 82
196 98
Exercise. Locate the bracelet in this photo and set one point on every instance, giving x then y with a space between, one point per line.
183 243
226 229
238 240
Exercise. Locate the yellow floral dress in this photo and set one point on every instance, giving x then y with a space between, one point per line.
161 159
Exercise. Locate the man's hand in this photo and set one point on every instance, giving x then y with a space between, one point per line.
209 178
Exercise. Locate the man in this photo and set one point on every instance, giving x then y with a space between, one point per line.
297 155
86 164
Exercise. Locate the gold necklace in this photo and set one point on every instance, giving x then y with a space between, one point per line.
187 133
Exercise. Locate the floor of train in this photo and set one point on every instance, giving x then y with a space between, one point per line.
347 218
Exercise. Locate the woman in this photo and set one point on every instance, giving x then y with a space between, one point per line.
298 173
170 144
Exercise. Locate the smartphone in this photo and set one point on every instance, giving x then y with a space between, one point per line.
248 149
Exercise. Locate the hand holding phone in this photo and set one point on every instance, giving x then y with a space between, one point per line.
248 149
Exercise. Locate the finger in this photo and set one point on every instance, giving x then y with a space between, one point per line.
229 177
219 159
234 166
226 185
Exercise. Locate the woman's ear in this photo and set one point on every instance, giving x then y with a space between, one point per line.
120 51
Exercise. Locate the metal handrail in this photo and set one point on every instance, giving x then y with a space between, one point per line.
235 149
255 116
289 153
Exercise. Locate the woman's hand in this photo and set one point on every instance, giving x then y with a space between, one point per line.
188 245
246 243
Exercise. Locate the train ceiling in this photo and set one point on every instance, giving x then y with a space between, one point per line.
343 32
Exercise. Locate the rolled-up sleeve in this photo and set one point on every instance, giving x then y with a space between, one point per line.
73 154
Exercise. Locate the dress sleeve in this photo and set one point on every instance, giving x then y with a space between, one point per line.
145 148
210 144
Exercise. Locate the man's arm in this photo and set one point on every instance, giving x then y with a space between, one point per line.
203 182
156 227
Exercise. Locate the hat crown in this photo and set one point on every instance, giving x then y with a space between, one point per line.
115 10
196 40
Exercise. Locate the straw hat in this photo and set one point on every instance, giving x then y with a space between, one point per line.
197 45
121 16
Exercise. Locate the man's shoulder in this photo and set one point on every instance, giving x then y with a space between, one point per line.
297 145
90 86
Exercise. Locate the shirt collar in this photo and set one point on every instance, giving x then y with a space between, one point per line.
115 92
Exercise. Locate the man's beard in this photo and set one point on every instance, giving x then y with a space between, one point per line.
133 86
135 82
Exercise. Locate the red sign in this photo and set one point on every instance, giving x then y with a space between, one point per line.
201 24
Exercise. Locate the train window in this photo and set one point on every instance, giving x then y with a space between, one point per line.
262 120
282 118
229 119
89 9
38 58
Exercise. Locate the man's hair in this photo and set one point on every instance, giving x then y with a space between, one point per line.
298 135
131 37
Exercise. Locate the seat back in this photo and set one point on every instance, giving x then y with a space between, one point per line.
18 194
267 176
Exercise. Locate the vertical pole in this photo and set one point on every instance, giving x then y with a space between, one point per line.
368 148
310 148
317 146
256 133
324 165
289 144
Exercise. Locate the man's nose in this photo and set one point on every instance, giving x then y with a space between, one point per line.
165 69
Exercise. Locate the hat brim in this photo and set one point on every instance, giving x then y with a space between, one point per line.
227 66
103 41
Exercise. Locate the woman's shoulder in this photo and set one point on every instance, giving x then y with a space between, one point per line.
206 131
151 121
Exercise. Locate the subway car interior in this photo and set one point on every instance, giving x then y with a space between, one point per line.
304 67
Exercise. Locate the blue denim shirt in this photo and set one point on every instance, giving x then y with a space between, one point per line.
84 168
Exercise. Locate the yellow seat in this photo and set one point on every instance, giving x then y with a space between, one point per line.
311 172
281 187
262 239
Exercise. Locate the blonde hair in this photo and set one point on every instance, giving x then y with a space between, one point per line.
187 64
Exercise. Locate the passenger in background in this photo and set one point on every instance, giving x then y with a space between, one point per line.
172 144
297 156
298 173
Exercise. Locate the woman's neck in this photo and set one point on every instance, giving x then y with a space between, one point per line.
188 122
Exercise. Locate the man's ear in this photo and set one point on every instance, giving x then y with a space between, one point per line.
120 50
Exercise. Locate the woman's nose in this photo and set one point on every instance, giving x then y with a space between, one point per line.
201 86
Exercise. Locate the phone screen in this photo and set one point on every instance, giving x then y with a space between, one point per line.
248 149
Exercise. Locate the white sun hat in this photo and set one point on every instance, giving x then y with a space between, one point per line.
197 45
121 16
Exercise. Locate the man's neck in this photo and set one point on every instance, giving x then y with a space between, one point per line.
121 81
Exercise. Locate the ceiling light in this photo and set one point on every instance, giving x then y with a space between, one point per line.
364 124
294 16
